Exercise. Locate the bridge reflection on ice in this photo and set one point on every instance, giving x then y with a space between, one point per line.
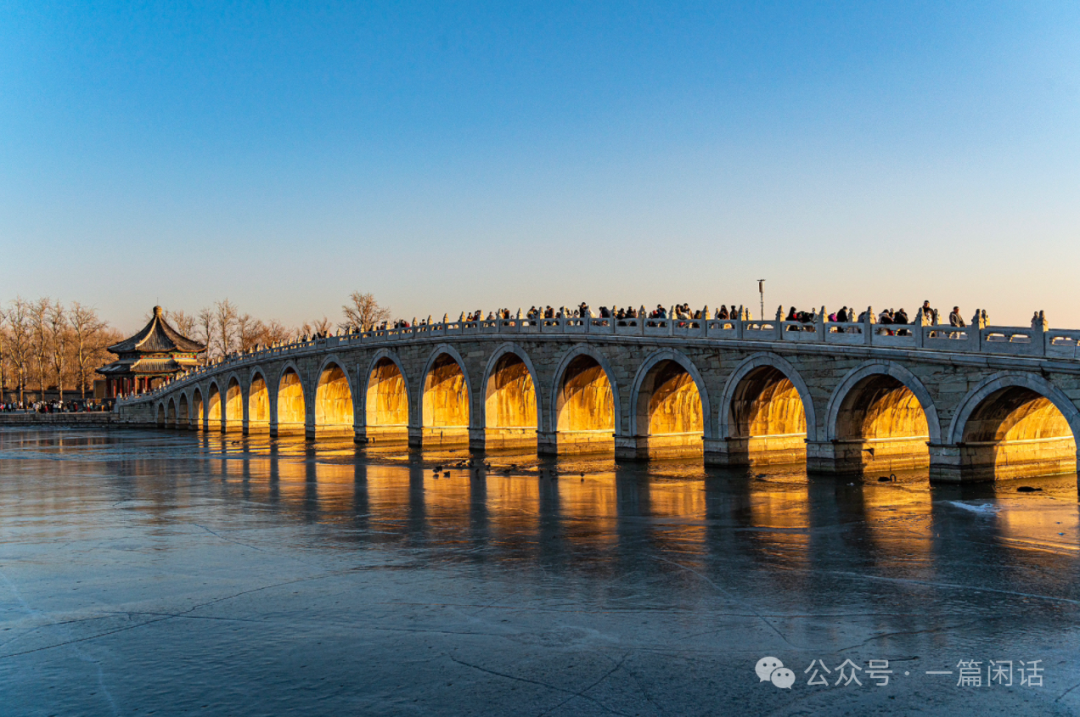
589 507
597 510
773 532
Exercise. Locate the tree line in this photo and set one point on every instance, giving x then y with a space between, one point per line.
224 330
45 344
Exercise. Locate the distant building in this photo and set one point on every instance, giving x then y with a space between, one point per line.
148 358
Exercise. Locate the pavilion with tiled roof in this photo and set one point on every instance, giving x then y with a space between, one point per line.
148 358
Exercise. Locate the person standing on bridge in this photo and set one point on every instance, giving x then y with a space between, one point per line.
955 319
901 317
929 315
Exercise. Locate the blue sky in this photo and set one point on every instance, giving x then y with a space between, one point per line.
475 155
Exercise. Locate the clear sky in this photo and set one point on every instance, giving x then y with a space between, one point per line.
475 155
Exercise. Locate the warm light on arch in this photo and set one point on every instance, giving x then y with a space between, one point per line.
290 401
213 410
258 402
584 407
766 419
510 405
446 396
1017 432
233 409
333 399
672 403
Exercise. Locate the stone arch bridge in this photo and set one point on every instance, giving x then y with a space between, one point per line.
970 404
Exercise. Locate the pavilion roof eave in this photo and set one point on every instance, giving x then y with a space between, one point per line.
165 367
157 337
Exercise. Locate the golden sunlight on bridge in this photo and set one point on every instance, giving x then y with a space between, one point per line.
445 403
387 405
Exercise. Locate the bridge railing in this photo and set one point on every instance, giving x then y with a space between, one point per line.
1063 343
1000 340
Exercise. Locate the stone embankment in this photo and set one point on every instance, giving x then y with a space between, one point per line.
96 418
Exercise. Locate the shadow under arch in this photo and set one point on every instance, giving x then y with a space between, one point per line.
334 397
291 403
183 412
584 411
386 400
445 398
509 409
161 413
880 417
1013 425
766 413
170 413
668 406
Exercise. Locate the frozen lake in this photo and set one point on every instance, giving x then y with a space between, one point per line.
146 572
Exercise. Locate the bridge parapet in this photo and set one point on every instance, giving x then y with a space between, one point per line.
991 340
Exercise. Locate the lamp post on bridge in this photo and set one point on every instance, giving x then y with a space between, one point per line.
761 292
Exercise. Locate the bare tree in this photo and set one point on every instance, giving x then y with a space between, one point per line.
274 332
39 324
363 312
182 322
248 331
318 326
225 316
206 326
86 329
3 353
58 341
19 320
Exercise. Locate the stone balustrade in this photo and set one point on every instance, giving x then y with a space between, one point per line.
996 340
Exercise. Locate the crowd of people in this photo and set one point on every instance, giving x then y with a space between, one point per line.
53 406
583 311
925 315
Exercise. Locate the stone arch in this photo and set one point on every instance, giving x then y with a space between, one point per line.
258 401
170 413
291 399
214 413
1015 424
183 411
773 431
445 397
883 368
585 410
669 404
510 406
386 400
334 396
198 406
161 414
232 413
881 416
